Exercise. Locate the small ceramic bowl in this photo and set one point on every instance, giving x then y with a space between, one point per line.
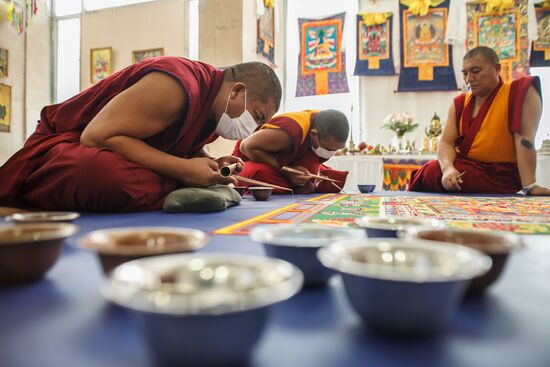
366 188
393 226
118 245
28 251
34 217
240 189
261 193
498 245
298 244
202 309
406 287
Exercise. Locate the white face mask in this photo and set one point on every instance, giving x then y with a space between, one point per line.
322 152
238 127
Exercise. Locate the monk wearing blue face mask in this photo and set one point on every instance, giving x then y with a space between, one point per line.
128 141
302 141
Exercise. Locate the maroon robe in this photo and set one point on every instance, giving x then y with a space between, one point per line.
480 177
301 155
54 171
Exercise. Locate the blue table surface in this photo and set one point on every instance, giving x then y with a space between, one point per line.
64 321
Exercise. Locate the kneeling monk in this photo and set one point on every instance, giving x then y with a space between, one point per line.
302 141
487 143
126 142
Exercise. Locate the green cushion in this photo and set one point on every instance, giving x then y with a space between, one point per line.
194 199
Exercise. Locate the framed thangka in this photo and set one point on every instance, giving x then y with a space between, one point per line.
374 46
101 63
265 42
321 63
5 108
540 52
505 31
140 55
3 63
426 60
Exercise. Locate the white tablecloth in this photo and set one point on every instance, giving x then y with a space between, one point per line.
369 169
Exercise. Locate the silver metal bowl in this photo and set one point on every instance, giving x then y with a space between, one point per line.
298 244
34 217
393 226
28 251
498 245
404 286
118 245
202 309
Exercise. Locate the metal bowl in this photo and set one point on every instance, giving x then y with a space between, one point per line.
298 244
404 287
393 226
498 245
366 188
34 217
118 245
28 251
240 189
261 193
202 309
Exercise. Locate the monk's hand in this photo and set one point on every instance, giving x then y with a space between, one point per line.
203 172
450 179
229 160
299 180
539 191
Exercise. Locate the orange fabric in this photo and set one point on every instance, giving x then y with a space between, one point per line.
301 118
494 142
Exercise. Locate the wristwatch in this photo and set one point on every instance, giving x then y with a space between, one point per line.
526 189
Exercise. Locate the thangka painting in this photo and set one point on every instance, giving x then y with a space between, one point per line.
426 60
505 32
374 46
321 64
265 42
540 52
5 108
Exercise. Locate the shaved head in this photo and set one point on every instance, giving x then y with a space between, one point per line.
486 52
332 124
262 84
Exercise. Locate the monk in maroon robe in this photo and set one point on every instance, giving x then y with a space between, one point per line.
487 143
129 140
302 141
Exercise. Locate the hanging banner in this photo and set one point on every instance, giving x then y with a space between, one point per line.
505 31
321 63
540 52
374 44
265 42
426 60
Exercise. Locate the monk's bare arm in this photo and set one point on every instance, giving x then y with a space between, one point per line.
446 153
260 146
525 142
141 111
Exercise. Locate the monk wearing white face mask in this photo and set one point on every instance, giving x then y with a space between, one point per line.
302 141
126 142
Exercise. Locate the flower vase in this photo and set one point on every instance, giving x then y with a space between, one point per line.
397 143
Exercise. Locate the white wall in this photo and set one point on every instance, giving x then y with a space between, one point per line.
30 65
133 27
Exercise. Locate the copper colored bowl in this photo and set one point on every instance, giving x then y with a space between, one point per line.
119 245
240 189
495 244
261 193
28 251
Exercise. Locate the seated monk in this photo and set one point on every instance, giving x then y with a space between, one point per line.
126 142
488 136
302 141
